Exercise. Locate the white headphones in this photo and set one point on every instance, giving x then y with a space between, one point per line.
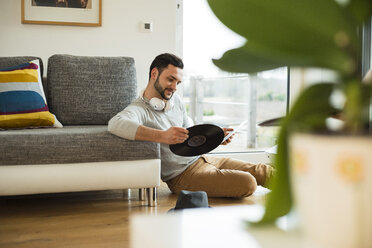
158 104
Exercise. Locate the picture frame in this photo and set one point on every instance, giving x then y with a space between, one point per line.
62 12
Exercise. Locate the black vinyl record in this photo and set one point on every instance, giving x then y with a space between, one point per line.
202 139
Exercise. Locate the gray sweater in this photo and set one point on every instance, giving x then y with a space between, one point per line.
139 112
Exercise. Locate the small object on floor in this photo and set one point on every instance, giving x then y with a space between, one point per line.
191 199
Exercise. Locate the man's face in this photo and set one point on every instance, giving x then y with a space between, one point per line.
166 82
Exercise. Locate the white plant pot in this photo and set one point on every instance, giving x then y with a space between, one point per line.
331 179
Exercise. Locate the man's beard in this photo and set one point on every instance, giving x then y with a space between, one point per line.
160 90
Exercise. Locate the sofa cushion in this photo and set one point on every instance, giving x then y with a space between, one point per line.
71 144
22 100
89 90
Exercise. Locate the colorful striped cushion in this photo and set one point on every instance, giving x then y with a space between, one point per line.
22 99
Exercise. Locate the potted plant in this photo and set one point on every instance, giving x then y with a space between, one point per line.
331 186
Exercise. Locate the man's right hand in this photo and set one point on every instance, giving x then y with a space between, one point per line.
175 135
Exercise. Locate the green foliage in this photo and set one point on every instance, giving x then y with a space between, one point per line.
270 96
303 116
209 112
288 32
305 33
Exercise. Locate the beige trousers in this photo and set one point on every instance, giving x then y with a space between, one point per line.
221 177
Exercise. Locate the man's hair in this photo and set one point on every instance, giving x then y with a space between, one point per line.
163 60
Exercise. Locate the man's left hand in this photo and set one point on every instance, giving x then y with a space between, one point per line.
226 132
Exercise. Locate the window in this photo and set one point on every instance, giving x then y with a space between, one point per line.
222 98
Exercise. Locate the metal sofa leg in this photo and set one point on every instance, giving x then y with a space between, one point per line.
142 194
151 197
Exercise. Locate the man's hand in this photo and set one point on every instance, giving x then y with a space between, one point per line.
175 135
227 131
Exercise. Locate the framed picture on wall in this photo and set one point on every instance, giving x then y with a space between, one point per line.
62 12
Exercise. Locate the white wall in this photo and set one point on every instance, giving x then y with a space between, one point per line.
119 35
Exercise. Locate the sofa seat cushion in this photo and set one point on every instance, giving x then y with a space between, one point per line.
71 144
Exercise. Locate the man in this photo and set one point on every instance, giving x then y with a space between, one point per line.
158 115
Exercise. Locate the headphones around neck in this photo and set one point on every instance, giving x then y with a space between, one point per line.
158 104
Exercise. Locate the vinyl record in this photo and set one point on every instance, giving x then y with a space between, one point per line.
202 139
271 122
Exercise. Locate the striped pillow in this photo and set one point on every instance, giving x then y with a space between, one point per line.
22 99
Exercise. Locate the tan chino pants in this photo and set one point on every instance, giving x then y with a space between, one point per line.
221 177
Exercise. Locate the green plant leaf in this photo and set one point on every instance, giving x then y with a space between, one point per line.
356 111
279 201
360 9
313 104
254 58
307 28
279 21
242 61
308 113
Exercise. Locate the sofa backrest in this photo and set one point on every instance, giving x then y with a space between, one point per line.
84 90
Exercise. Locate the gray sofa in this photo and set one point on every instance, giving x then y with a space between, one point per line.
83 93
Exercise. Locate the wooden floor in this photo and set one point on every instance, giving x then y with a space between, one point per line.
84 219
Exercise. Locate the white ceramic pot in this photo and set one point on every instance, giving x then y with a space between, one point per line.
332 185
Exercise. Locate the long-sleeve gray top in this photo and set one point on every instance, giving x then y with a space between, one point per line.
139 112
